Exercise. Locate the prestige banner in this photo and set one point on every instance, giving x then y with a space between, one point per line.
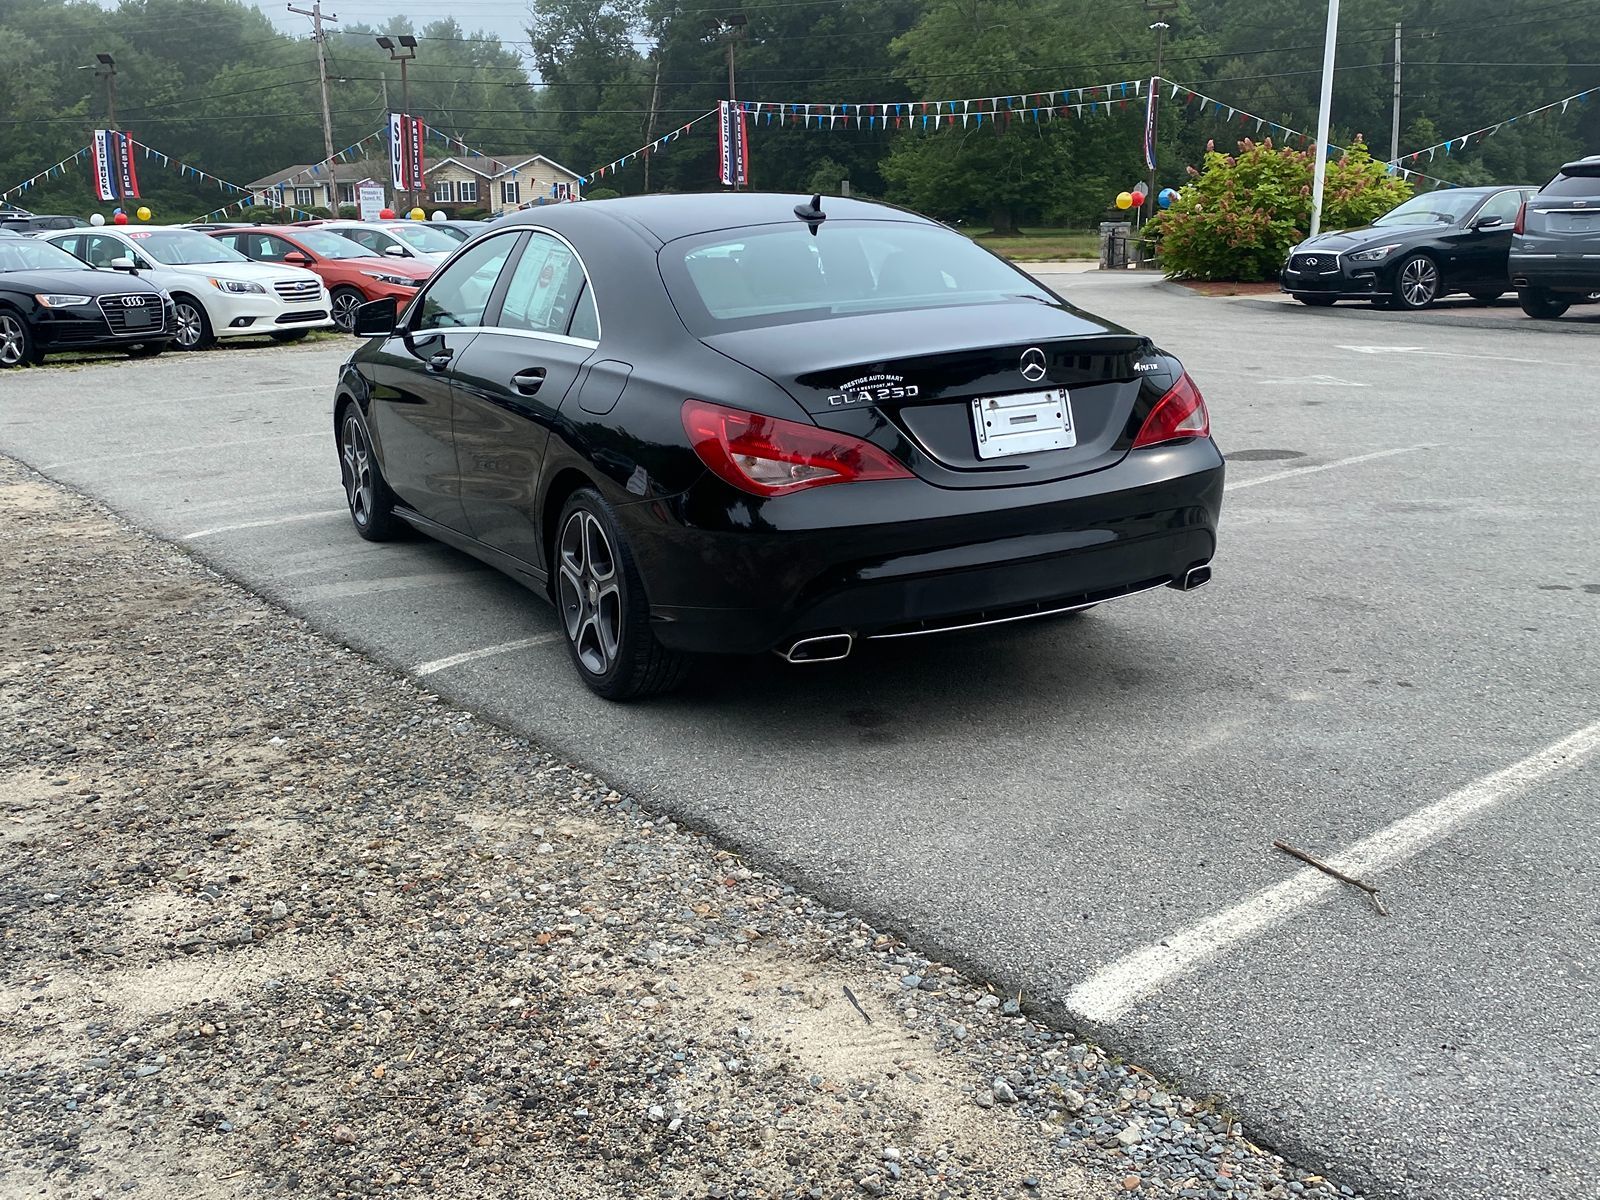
733 151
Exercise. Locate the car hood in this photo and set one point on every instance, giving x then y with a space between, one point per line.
411 268
244 272
1343 240
78 283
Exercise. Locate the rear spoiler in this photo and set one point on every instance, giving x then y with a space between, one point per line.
1588 168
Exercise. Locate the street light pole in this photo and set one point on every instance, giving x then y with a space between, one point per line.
1320 176
1157 9
1394 136
107 70
408 42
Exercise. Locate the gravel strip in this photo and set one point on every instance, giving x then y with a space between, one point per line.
279 923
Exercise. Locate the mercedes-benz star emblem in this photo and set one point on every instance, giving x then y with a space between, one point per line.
1033 364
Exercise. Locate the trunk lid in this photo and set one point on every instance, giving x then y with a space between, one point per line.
907 381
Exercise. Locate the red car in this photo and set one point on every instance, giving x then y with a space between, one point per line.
352 273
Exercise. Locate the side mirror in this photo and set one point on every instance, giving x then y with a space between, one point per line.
125 264
296 259
377 318
398 252
1488 223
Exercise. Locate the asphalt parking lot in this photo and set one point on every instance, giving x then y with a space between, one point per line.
1395 668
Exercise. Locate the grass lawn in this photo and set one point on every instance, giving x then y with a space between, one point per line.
1041 245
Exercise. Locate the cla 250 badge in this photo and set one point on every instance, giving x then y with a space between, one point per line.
873 389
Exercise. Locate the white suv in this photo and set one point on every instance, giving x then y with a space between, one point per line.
216 291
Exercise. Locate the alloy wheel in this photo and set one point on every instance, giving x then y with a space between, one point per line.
13 341
590 592
1419 282
190 325
356 459
344 310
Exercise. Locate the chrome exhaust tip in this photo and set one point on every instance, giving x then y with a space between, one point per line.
820 648
1192 578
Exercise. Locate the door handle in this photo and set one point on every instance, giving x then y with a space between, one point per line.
441 360
528 382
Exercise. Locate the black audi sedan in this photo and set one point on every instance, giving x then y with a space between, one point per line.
1457 240
742 422
51 301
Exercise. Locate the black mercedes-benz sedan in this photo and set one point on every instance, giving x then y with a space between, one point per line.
51 301
1456 240
741 422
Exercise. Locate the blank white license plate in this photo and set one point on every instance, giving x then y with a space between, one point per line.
1025 423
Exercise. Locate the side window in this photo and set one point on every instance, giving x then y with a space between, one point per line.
72 245
585 320
370 238
544 289
233 242
459 295
1504 205
270 249
100 250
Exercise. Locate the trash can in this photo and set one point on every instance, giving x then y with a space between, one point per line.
1114 238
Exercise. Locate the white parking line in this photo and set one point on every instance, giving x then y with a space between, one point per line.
1234 486
160 450
263 524
455 660
1111 992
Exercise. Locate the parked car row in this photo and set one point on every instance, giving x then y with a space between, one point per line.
1483 241
147 288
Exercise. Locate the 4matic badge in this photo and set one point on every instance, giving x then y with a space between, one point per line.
873 389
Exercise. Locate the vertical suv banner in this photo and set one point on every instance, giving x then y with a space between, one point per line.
1150 117
398 159
733 152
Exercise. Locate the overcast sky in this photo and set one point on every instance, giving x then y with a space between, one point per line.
502 18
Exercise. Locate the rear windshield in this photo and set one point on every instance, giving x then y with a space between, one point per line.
1573 185
782 274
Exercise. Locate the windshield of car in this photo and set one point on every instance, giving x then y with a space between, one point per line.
420 237
183 247
779 274
330 245
25 254
1433 208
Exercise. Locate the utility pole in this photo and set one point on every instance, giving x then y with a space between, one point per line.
407 42
731 26
1320 178
650 128
321 39
1394 140
107 70
1158 9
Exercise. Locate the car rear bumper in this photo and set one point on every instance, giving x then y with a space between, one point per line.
1556 272
903 557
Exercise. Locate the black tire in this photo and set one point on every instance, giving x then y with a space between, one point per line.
194 330
1541 305
602 607
1315 300
146 349
1486 298
365 491
1417 282
17 347
343 302
290 335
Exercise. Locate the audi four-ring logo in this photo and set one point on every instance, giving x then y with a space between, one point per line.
133 302
1033 364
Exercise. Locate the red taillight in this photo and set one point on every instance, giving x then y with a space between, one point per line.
770 457
1180 414
1522 219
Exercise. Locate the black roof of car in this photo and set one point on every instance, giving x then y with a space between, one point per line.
676 216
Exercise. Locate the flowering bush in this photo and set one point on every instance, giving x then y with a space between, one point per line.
1240 215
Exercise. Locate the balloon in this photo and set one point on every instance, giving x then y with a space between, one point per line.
143 214
1166 197
386 215
97 219
115 211
121 218
1124 199
1139 198
416 214
438 214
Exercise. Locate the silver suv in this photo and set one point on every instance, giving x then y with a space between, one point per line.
1555 249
